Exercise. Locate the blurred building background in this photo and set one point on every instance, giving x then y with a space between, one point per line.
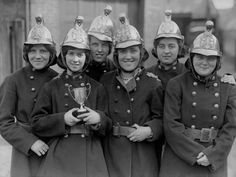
17 17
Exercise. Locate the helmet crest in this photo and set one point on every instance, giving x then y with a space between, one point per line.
206 43
102 27
168 28
126 34
76 36
39 34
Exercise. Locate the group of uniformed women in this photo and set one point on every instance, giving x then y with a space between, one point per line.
103 119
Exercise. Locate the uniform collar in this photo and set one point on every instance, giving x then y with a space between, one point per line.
132 83
173 66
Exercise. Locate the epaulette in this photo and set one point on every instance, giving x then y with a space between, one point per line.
58 76
149 74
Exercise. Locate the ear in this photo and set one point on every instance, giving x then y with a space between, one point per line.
154 53
60 62
115 58
145 55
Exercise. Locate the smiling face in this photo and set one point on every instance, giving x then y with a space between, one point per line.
75 59
38 56
167 50
129 58
204 65
99 49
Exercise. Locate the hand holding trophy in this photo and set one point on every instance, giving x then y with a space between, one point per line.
80 95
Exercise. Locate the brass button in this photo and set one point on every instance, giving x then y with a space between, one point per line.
216 105
35 100
32 77
128 111
127 122
103 64
66 105
80 77
174 68
193 126
82 135
132 99
194 93
194 116
82 84
66 94
214 117
66 84
118 87
213 78
105 71
215 84
137 79
217 94
195 84
194 104
33 89
87 70
67 77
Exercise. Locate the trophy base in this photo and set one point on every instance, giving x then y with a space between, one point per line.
77 113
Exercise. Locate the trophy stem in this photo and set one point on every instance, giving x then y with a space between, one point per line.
82 109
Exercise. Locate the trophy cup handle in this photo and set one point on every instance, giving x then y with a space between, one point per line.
69 90
89 90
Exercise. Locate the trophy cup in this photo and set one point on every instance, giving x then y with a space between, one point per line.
79 95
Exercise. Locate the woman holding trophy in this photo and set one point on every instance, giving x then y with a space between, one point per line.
70 112
19 93
135 107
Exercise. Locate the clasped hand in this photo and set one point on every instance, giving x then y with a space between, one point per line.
39 147
140 134
90 117
202 159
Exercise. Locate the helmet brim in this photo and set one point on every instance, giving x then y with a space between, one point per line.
168 35
127 44
37 42
76 45
206 52
101 37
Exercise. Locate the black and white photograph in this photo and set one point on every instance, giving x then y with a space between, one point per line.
117 88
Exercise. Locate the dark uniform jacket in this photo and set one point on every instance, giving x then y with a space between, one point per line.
166 75
139 102
19 92
96 70
190 103
75 155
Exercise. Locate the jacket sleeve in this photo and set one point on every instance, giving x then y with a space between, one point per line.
12 132
183 146
45 122
102 106
217 154
156 107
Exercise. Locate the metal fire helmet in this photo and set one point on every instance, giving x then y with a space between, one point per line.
39 34
206 43
76 36
126 34
102 26
168 28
